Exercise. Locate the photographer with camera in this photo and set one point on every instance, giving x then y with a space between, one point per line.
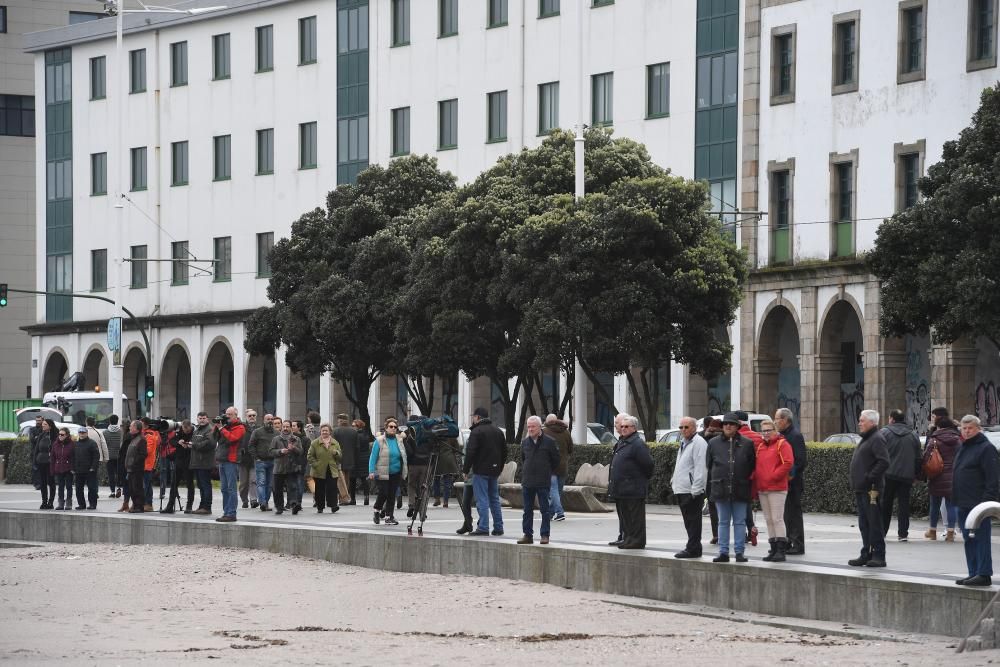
285 449
152 437
229 435
181 443
202 461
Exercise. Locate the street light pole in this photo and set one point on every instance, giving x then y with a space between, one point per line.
579 379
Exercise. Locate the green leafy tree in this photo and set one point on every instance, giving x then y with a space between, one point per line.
335 280
938 260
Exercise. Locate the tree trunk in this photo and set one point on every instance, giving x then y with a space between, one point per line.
647 401
362 381
598 387
422 396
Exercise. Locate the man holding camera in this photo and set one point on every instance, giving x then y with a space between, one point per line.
202 461
229 435
152 437
181 443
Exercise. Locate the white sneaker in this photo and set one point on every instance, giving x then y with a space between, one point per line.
559 517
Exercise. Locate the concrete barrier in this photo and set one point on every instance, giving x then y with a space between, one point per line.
855 597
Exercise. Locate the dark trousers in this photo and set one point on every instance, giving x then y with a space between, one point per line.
147 485
182 475
112 468
468 497
793 515
896 488
978 556
64 482
46 483
387 488
632 519
327 493
204 480
290 482
870 526
713 516
137 488
353 482
90 480
691 513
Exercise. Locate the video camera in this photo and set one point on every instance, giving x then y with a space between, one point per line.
163 424
221 419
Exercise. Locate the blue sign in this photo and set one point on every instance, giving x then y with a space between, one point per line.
115 334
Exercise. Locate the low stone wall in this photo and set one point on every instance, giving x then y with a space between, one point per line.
879 600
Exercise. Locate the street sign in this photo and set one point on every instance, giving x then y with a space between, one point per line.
115 334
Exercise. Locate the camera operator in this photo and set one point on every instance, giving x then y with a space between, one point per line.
285 449
181 442
165 455
229 436
202 461
152 448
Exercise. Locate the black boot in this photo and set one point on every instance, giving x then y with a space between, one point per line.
773 543
779 553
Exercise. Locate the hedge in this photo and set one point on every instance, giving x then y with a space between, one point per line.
827 481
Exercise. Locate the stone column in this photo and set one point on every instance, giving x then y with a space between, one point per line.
281 403
953 375
325 398
885 383
827 393
766 384
808 375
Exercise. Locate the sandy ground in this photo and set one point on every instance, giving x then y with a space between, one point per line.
124 604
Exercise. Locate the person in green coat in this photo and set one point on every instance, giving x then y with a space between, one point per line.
449 454
324 465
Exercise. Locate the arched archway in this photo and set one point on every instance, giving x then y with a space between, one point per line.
175 383
55 371
776 366
840 370
262 384
135 373
95 368
217 380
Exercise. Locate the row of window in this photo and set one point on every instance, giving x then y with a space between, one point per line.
909 166
17 116
447 24
911 61
182 260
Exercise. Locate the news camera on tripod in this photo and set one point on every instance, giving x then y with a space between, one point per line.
429 442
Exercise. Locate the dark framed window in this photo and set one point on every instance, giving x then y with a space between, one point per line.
401 131
982 34
179 163
548 8
548 107
658 90
265 242
307 145
220 57
602 3
99 270
99 174
780 176
307 40
909 160
179 267
496 104
178 64
222 165
845 191
781 197
84 17
496 13
783 64
265 151
98 78
447 124
138 168
137 71
17 116
602 99
3 19
843 194
400 22
138 256
447 18
845 52
223 257
265 48
912 40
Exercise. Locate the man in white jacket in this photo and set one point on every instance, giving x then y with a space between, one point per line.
688 483
97 437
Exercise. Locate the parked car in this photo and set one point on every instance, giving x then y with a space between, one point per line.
669 435
755 420
843 439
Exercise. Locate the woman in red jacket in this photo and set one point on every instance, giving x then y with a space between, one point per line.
774 462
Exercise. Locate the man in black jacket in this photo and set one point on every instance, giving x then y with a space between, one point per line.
905 462
974 481
539 460
135 462
731 461
183 474
86 458
784 420
248 472
485 454
628 483
868 466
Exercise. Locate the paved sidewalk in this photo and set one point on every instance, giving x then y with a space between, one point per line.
831 539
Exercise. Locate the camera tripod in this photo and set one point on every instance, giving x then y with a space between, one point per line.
420 504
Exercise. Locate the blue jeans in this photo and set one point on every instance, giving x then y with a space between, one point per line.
950 508
204 480
555 499
527 519
978 554
733 511
487 490
265 475
229 477
147 485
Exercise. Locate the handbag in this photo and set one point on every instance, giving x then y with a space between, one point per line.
934 465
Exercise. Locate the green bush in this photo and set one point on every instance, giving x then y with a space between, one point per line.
19 463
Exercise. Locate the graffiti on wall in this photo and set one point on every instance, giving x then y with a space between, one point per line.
852 402
918 396
789 390
918 407
987 403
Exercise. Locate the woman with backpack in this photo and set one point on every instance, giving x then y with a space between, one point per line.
773 464
945 440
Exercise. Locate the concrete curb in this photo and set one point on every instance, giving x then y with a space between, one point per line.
857 598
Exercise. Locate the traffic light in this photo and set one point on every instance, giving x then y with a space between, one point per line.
149 388
3 295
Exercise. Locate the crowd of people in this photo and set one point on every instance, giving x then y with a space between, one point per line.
724 468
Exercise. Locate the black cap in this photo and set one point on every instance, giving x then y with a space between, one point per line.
731 418
481 413
742 416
